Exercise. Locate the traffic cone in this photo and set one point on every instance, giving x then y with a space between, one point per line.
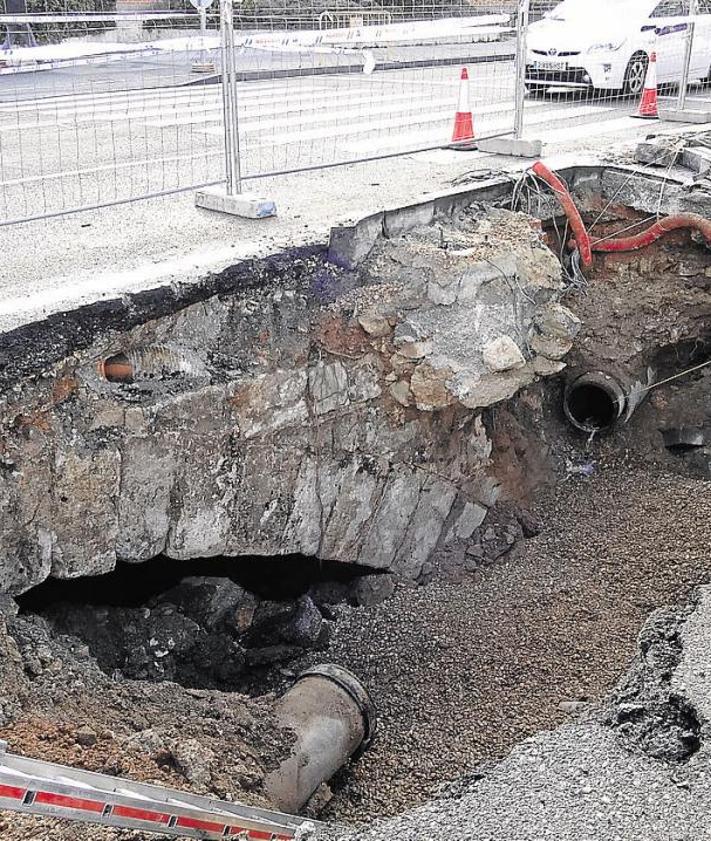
648 106
463 123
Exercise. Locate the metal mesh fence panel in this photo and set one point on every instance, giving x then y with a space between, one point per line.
340 83
84 101
106 101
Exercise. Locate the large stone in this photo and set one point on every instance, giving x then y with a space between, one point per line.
503 354
471 517
400 391
374 325
209 601
328 387
557 321
429 387
551 347
370 590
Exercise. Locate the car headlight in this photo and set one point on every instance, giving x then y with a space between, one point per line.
606 46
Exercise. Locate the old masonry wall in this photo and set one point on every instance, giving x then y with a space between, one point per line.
321 409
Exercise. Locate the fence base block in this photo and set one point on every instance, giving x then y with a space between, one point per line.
509 146
246 205
685 116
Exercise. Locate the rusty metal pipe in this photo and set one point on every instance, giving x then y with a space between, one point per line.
333 717
116 369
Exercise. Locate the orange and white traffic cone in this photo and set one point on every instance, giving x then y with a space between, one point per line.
463 122
648 106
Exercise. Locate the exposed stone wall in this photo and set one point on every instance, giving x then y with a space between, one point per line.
334 413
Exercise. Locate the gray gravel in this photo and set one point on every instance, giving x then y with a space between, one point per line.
577 784
462 672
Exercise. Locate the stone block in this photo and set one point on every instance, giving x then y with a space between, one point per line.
503 354
511 147
328 387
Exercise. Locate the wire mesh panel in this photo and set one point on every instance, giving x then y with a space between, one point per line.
332 81
107 101
100 107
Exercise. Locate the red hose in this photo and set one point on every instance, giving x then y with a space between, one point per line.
571 211
654 232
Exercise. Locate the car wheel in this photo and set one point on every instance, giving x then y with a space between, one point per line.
635 74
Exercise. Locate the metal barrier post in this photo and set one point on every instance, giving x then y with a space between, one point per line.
231 199
682 114
522 19
688 47
229 98
516 146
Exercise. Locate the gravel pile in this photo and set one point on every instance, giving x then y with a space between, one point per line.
462 672
572 785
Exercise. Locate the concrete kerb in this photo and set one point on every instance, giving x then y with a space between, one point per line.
349 245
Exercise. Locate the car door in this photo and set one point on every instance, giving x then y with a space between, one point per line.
701 52
670 19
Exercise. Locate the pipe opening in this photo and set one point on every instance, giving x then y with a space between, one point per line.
593 403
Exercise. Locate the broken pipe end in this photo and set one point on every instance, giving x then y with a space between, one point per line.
353 687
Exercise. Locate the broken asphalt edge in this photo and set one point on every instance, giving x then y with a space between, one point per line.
61 334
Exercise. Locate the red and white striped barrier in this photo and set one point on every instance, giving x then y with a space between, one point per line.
39 788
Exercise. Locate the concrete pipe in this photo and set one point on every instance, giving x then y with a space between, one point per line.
594 402
331 714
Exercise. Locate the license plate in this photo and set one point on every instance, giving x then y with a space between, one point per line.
550 66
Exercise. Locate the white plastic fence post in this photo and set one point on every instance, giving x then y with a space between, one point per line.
681 113
516 145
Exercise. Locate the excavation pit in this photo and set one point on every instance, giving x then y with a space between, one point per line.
340 407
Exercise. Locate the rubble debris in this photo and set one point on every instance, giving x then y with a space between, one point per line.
636 768
659 151
691 152
203 632
647 710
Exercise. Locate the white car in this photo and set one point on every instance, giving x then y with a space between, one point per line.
606 44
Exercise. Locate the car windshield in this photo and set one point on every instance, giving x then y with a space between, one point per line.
577 9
